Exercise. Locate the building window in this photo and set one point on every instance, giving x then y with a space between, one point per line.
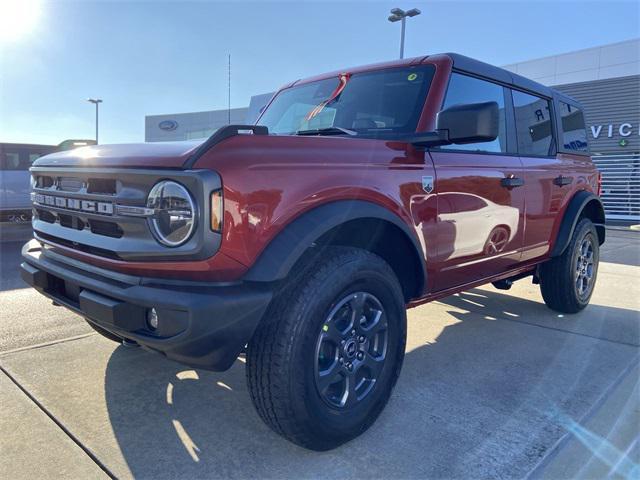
533 125
464 90
574 133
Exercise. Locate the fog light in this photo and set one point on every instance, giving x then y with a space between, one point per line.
152 319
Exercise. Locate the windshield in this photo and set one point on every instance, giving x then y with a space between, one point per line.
372 102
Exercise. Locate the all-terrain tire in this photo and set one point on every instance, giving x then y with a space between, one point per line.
567 281
282 356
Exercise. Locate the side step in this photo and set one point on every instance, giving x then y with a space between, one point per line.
506 283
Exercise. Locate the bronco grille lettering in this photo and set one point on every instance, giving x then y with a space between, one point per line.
90 206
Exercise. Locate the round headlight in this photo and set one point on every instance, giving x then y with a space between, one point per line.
174 217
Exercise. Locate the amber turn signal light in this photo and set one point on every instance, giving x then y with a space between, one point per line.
216 210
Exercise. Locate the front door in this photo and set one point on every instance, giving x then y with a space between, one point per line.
480 219
480 202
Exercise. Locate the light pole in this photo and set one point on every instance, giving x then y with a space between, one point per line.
397 14
95 101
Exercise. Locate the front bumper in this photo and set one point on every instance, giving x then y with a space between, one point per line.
203 325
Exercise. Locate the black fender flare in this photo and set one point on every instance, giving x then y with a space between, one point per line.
281 254
570 219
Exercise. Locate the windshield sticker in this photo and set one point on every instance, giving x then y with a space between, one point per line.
412 77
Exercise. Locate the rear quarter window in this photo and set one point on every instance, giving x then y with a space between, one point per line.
574 132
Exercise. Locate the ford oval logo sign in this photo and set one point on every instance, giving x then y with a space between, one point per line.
168 125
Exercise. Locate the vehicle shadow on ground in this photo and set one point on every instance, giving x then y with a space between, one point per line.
481 394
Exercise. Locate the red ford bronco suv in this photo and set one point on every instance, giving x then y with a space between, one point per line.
305 237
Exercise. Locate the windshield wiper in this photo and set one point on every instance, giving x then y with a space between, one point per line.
327 131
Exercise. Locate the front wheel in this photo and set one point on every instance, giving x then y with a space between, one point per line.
321 366
567 281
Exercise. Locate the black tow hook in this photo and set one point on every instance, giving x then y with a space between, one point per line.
129 343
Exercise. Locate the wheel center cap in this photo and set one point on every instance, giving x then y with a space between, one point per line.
350 348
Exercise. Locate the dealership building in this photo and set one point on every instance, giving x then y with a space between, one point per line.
605 79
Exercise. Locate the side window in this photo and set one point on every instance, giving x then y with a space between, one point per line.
574 133
533 125
12 160
463 90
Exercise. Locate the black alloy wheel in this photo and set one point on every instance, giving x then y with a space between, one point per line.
351 350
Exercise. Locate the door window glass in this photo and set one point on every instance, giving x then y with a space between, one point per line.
533 125
463 90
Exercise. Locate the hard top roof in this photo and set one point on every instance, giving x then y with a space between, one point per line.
470 65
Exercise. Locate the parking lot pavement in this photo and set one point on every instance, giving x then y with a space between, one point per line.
35 436
494 385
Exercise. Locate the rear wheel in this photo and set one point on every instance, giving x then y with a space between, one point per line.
567 281
321 366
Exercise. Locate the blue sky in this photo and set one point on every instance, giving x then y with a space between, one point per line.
149 57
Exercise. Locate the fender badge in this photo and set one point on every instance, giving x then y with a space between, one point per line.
427 183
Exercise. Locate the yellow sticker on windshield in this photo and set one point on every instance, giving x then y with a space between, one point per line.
412 77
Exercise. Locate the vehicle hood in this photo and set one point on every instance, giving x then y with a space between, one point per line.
132 155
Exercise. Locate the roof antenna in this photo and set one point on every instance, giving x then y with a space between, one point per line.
229 92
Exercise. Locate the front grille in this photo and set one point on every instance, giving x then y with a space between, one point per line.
44 181
79 203
70 221
105 186
104 211
45 216
108 229
70 184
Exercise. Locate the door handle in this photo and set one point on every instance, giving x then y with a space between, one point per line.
512 182
562 181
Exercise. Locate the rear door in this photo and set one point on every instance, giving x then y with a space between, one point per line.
480 222
547 183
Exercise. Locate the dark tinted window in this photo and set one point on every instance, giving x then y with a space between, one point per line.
16 157
533 125
574 133
463 90
384 101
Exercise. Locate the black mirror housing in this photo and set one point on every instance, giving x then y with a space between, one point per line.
430 139
470 123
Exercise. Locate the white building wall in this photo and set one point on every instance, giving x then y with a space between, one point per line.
187 126
620 59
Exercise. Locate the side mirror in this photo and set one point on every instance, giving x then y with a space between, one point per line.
470 123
